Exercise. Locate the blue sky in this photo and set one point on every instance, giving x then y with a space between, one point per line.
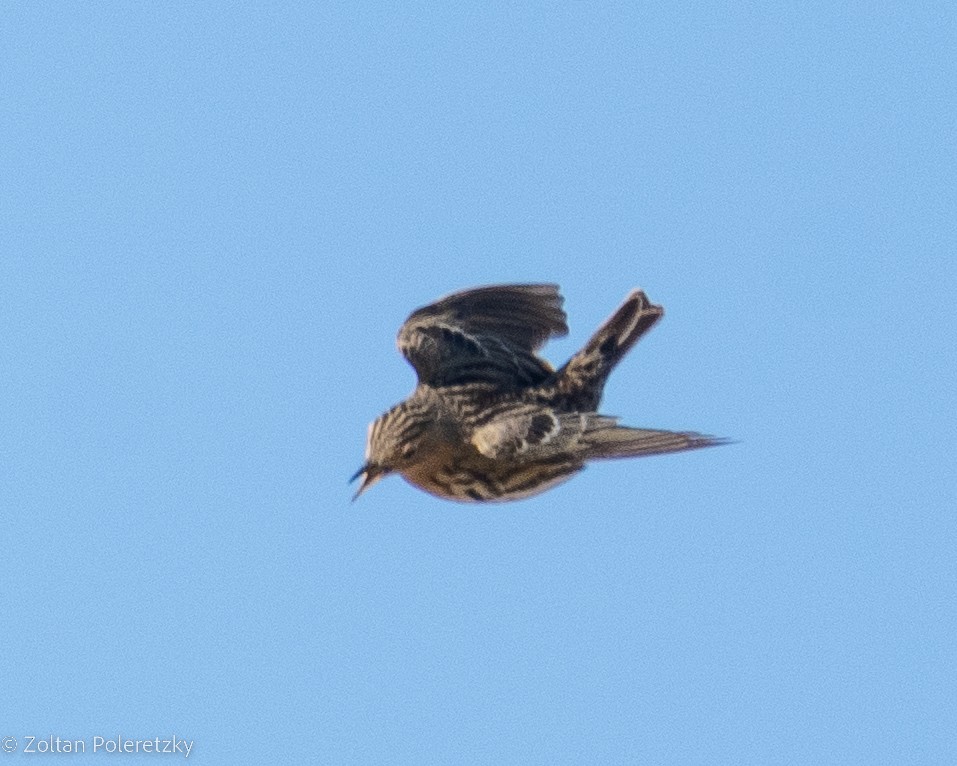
214 219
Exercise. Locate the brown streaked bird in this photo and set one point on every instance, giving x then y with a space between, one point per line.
490 420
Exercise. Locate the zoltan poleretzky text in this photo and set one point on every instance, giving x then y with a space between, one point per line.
115 745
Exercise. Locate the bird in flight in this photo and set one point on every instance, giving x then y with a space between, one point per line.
490 420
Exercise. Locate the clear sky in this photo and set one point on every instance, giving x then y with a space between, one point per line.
213 219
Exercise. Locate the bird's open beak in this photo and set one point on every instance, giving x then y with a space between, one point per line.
370 474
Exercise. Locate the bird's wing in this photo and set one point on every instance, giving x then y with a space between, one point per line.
537 432
486 335
533 432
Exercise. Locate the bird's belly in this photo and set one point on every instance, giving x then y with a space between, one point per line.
475 478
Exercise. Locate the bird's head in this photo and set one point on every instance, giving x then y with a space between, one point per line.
395 442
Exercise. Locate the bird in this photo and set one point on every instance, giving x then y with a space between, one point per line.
489 419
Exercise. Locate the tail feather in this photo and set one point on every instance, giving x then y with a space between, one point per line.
585 373
618 441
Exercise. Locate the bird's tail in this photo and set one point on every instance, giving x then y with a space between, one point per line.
583 377
603 438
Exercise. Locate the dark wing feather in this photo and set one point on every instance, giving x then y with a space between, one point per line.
486 335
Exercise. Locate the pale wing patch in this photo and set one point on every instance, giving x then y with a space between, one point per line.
515 434
489 438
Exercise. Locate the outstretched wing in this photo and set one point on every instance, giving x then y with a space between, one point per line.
486 335
531 433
